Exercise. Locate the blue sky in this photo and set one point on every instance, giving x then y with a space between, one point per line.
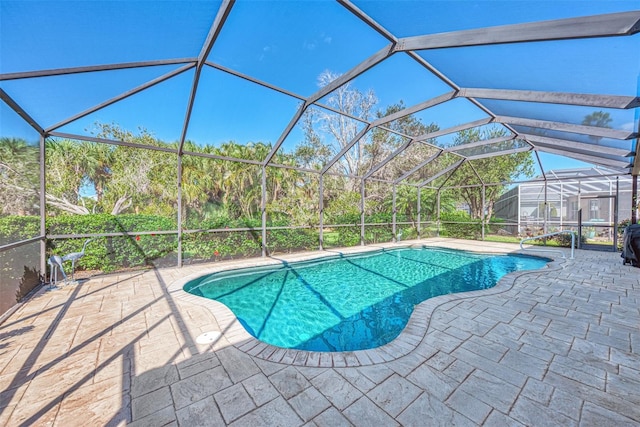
288 44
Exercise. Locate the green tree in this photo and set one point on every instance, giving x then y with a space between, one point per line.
19 177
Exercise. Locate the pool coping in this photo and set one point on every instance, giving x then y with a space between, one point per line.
408 340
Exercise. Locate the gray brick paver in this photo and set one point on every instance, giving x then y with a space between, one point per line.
498 419
309 403
260 389
151 402
331 418
193 389
537 391
566 403
525 364
364 413
437 383
334 387
234 402
597 416
474 409
531 413
275 413
201 413
357 379
491 390
427 410
289 382
394 395
590 394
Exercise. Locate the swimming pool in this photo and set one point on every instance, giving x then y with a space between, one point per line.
350 302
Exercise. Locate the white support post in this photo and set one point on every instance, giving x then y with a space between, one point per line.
545 219
43 211
519 210
561 204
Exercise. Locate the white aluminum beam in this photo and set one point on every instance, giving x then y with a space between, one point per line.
112 142
414 109
285 133
454 129
19 111
563 143
479 143
442 172
568 127
565 98
616 164
500 153
418 167
402 113
613 24
474 171
544 175
368 63
367 20
94 68
254 80
365 65
214 31
345 149
390 157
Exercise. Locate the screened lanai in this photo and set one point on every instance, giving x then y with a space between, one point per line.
175 133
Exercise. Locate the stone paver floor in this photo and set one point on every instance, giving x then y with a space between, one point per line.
559 346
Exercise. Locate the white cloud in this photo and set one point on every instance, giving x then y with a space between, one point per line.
265 51
628 126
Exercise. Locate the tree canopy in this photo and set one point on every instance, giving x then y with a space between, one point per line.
87 177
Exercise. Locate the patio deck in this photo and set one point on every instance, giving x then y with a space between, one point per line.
558 346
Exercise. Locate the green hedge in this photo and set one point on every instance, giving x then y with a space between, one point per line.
16 228
136 250
460 225
113 253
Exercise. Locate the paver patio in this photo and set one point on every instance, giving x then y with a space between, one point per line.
558 346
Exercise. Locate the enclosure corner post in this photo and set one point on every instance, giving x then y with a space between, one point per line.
43 212
179 210
545 219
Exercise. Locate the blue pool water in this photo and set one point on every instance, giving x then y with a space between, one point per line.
350 302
